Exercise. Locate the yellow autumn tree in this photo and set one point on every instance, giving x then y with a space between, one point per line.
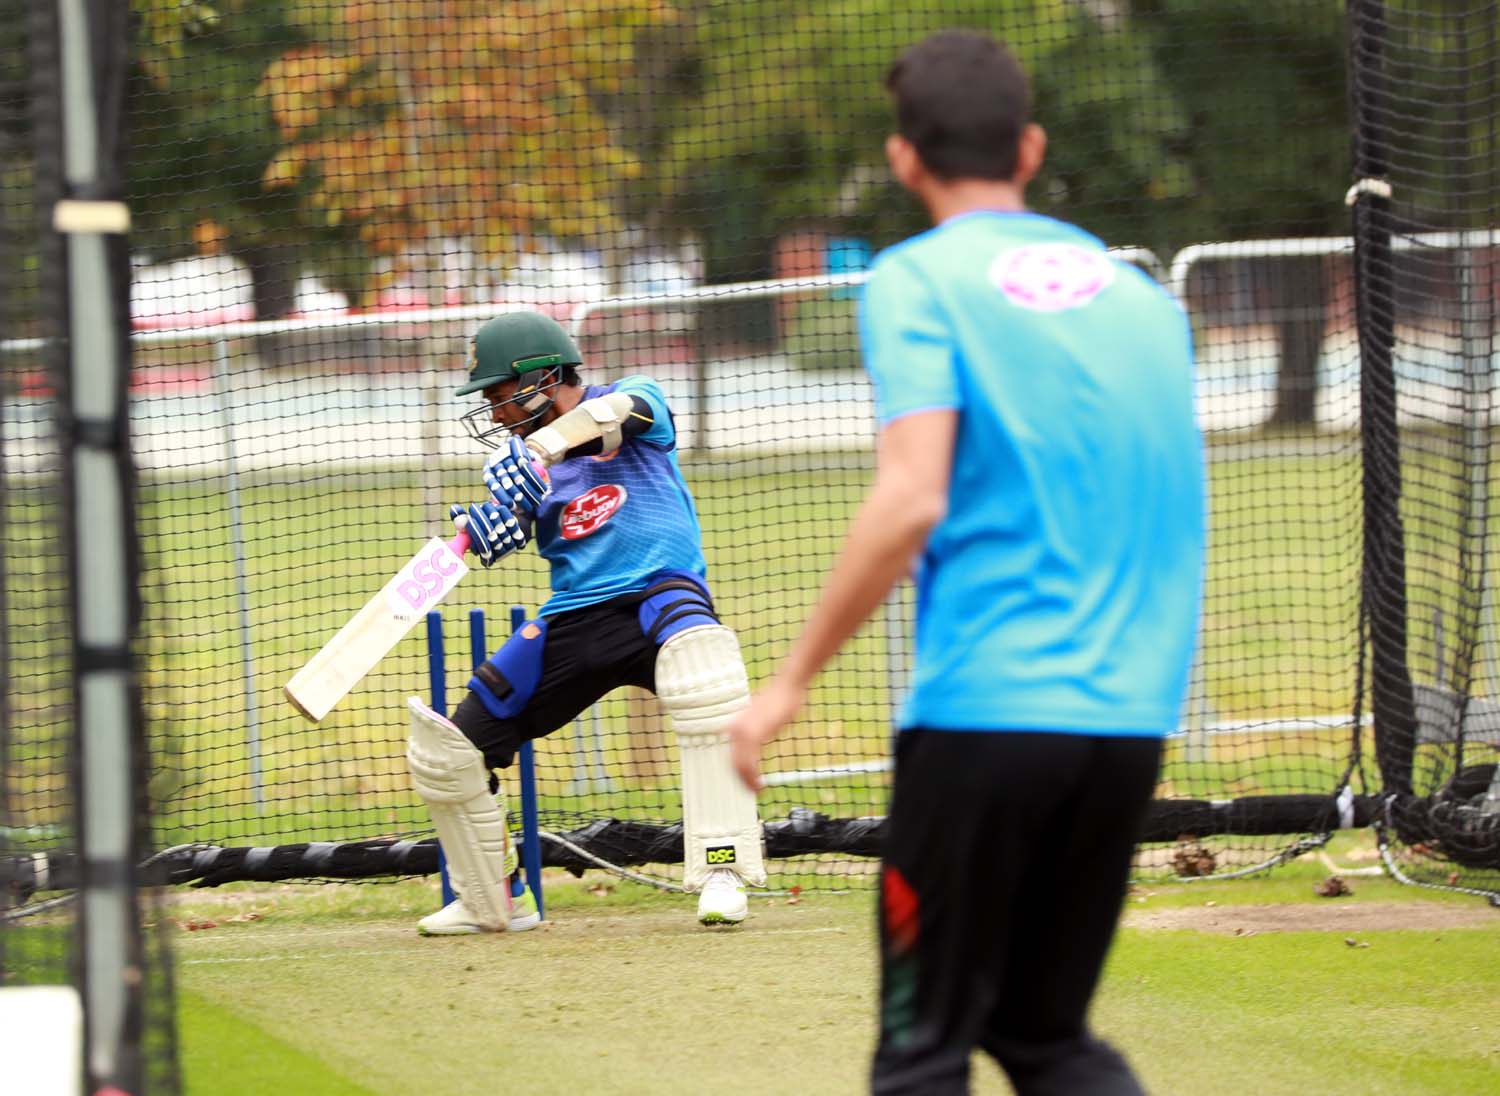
425 120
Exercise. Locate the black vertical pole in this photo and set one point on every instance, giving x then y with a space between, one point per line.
1383 587
92 219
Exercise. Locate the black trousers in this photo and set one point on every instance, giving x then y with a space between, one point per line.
1006 859
588 652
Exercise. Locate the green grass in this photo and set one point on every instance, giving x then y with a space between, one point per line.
622 993
1305 1012
226 1054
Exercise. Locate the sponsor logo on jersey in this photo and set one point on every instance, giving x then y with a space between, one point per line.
1051 277
720 854
590 510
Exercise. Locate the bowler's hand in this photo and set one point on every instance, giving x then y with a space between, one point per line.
769 712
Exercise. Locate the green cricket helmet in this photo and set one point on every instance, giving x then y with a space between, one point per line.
527 347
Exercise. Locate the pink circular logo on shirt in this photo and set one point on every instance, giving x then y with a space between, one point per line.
1051 277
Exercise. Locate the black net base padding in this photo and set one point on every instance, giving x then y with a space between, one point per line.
615 841
311 860
1255 815
1458 824
1451 824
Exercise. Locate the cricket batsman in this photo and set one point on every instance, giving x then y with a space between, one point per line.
590 474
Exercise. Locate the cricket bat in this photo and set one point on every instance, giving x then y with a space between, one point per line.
379 626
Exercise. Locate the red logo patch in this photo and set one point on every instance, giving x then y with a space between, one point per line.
903 911
590 510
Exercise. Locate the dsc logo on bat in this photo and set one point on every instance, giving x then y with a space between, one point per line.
426 580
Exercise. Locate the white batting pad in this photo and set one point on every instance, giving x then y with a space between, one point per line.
450 776
700 679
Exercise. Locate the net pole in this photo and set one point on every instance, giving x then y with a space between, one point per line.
531 840
1384 579
241 574
437 682
107 726
599 780
1478 349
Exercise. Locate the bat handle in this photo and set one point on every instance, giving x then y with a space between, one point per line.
459 544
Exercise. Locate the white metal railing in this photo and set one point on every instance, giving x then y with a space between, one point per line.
1468 240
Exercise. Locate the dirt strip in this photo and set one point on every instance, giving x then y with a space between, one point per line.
1335 915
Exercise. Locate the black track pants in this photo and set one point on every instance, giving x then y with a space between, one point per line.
1005 865
588 652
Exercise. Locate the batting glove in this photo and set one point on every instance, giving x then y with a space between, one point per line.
495 531
513 480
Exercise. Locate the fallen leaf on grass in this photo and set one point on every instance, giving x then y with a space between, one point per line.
1191 860
1333 887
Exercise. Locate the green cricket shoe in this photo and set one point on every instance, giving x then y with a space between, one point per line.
524 915
722 900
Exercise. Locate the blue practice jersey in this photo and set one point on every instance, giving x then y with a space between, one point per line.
1061 592
611 523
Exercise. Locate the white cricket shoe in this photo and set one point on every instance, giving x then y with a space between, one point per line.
454 919
722 900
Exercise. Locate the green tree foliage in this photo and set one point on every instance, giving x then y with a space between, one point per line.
415 121
1262 86
19 268
1441 65
200 140
789 123
339 135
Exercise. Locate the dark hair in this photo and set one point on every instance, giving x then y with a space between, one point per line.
962 100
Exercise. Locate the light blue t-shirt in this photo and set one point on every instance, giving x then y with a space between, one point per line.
1061 591
612 523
